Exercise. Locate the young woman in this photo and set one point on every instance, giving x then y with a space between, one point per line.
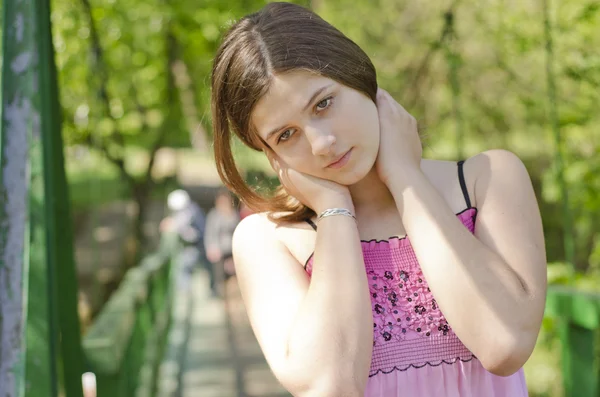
451 305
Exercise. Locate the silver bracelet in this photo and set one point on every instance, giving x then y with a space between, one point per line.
335 211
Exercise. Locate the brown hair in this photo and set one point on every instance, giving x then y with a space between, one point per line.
281 37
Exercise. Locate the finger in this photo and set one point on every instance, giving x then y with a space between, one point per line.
269 153
278 166
385 101
280 163
275 165
384 108
273 159
388 108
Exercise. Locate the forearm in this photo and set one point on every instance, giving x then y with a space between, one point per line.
483 299
331 340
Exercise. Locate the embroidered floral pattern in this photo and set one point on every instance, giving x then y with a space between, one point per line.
402 301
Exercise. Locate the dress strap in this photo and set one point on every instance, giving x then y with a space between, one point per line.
463 185
311 223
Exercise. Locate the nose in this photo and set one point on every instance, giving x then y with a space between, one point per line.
321 141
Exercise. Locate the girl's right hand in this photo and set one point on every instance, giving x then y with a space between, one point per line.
316 193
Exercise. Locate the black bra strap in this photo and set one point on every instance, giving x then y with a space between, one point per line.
312 224
463 185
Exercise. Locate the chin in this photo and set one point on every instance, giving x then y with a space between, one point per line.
356 173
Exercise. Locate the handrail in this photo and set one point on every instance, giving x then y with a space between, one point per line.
124 345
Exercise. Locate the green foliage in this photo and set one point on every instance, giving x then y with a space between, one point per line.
495 50
498 51
562 273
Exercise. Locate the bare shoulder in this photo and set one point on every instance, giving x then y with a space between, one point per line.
254 227
497 171
499 166
257 234
495 161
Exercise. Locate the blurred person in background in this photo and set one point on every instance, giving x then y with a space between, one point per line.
186 219
221 222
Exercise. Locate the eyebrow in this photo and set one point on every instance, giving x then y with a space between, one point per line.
311 100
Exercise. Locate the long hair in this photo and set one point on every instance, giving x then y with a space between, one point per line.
279 38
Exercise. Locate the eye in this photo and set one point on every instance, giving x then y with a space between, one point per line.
324 104
287 134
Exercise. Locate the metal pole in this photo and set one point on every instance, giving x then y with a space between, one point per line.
27 360
38 310
59 236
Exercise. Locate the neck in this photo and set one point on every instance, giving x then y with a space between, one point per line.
371 196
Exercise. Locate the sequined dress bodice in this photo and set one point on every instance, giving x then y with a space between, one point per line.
411 337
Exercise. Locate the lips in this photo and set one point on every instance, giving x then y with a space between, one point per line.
340 161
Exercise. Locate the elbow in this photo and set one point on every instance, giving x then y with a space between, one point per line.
508 358
502 367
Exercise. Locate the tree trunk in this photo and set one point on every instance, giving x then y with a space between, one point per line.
136 240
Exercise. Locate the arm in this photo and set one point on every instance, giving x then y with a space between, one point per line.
316 335
492 286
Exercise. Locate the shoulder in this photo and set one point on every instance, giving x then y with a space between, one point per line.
257 233
495 161
254 229
491 172
258 230
498 174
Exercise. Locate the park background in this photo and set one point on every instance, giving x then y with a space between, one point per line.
134 88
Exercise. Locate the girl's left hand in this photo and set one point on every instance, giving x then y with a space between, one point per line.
400 148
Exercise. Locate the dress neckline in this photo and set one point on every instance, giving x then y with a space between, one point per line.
400 241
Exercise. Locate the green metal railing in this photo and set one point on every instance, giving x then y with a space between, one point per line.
124 346
578 316
39 326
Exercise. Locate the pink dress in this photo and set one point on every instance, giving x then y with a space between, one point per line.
415 351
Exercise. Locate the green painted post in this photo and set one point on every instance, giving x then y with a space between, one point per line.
578 359
57 212
27 362
37 309
578 314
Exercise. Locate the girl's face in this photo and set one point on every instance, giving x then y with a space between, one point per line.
319 127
